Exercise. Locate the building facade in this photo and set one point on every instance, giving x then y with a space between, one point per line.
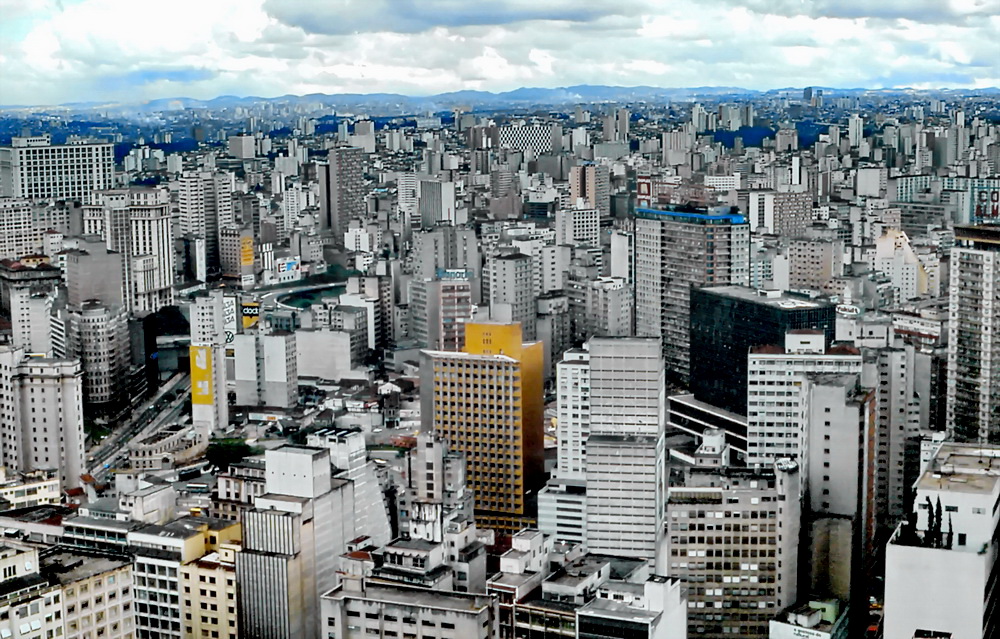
486 401
675 250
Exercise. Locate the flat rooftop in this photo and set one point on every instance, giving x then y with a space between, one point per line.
408 596
777 299
68 567
617 610
965 468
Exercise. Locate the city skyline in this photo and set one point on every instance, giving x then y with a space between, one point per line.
108 50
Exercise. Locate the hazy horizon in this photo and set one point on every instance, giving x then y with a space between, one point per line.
63 51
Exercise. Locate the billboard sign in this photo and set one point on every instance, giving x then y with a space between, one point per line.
201 375
229 321
246 250
251 314
986 204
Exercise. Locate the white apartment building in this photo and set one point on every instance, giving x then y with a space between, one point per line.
41 415
578 226
940 571
973 409
137 223
161 552
349 455
776 392
360 608
608 309
19 236
265 369
34 168
572 413
31 606
512 291
205 202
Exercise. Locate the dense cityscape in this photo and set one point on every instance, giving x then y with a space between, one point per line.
593 362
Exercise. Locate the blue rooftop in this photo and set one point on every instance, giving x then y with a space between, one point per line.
702 215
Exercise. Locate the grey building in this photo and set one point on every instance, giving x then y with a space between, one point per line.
341 190
291 540
677 249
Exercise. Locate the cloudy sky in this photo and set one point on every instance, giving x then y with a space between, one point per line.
54 51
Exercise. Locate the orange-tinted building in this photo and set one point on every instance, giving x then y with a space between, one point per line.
487 401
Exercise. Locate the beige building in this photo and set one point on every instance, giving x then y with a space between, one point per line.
208 587
359 608
30 605
96 595
161 555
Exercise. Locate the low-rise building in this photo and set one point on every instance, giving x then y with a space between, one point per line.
29 604
33 488
361 608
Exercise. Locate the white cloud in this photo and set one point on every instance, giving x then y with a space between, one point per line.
138 49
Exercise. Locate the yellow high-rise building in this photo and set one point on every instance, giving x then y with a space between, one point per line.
487 402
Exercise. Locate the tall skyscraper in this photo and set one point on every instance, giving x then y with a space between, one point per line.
341 190
726 321
448 247
625 455
677 249
291 541
440 308
91 324
592 183
41 415
33 167
562 504
973 410
486 402
208 321
136 222
205 202
855 129
436 203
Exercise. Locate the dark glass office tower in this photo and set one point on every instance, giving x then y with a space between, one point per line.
726 321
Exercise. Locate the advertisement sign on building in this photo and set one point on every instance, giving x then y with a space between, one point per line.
246 250
986 204
251 314
201 375
229 321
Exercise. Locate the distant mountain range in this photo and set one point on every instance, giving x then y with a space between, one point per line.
525 96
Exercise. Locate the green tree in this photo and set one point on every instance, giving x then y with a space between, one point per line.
224 452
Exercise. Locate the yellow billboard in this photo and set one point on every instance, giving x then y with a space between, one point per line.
251 314
201 375
246 251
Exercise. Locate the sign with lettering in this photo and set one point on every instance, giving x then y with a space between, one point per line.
986 204
251 314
